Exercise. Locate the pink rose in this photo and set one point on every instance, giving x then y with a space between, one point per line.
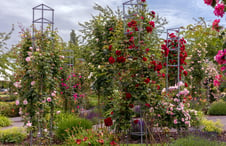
175 121
219 10
32 83
49 99
25 102
208 2
28 59
17 102
29 124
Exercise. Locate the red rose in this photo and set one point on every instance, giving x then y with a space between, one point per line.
111 60
144 59
163 75
131 105
152 13
158 67
185 84
149 29
118 52
128 95
112 113
185 73
108 121
121 59
143 1
136 29
158 87
132 23
152 23
147 105
113 143
110 29
137 85
147 80
135 121
110 47
147 50
78 141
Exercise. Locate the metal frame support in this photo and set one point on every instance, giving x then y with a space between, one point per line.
42 8
41 20
136 6
177 32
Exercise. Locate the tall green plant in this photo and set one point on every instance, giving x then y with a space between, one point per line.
37 78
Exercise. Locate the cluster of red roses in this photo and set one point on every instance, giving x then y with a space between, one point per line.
135 58
173 44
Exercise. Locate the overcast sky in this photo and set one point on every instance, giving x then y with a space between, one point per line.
69 12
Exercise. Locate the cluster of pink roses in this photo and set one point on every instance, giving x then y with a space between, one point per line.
220 58
219 7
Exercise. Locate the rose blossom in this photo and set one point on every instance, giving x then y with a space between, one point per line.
17 84
58 112
215 25
175 121
25 102
28 59
111 60
219 10
32 83
208 2
180 84
182 119
17 102
53 93
29 124
49 99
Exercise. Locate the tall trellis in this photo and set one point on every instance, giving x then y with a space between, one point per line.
169 39
131 9
42 17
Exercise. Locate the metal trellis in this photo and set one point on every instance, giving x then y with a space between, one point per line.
175 31
136 6
43 16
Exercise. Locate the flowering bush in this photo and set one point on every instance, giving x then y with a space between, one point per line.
36 79
174 111
71 90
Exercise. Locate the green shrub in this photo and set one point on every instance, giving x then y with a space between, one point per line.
12 135
68 123
195 141
9 109
210 126
217 108
4 121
